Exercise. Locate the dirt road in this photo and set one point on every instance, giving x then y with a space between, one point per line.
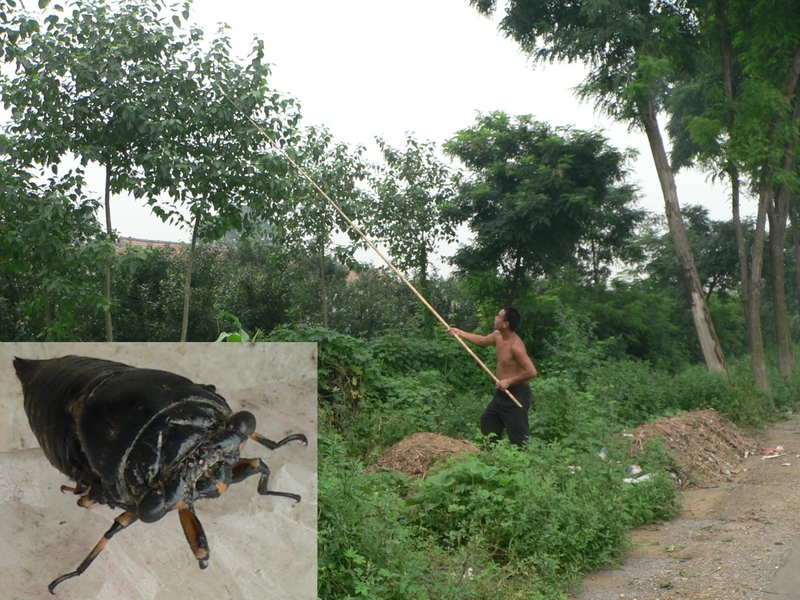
737 540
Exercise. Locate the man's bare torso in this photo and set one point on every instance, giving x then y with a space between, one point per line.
507 364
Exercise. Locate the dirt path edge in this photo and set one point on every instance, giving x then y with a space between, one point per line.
739 539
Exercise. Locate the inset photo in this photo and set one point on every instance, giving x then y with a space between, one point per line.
158 470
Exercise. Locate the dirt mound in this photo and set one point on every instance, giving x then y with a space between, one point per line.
414 455
706 446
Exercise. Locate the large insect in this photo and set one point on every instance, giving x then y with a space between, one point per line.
144 440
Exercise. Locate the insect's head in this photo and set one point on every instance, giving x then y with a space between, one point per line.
203 470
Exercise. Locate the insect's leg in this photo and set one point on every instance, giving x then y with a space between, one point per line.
88 495
85 501
272 445
120 523
246 467
195 535
80 488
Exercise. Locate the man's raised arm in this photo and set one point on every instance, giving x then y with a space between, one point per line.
474 338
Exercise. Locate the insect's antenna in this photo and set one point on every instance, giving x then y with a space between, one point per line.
366 239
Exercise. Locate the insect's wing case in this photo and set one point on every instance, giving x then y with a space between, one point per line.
53 389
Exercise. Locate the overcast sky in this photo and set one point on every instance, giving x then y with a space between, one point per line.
366 68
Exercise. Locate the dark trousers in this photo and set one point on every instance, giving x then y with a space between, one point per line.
501 413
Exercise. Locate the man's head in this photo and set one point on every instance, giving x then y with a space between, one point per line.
509 315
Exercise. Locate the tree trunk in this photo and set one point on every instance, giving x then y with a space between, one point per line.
709 344
751 285
777 234
48 321
323 286
187 290
515 281
750 277
796 245
778 212
107 285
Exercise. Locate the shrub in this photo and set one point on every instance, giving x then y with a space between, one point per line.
365 549
552 509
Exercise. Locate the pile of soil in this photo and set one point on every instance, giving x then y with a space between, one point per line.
417 453
705 445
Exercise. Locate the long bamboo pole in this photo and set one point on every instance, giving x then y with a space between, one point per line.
371 245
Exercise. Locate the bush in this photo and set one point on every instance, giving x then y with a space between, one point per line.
638 391
561 412
365 548
556 511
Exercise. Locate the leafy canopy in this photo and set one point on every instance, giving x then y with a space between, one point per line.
539 197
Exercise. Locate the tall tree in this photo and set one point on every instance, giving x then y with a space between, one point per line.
733 115
633 48
121 85
767 41
413 189
89 85
537 195
215 160
311 220
703 119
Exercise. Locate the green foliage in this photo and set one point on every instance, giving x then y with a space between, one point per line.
632 49
646 321
557 510
127 86
714 249
366 548
639 392
413 191
52 251
403 355
652 500
311 219
540 198
152 108
240 335
562 412
242 280
337 169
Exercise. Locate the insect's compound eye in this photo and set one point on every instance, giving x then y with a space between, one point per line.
243 422
152 506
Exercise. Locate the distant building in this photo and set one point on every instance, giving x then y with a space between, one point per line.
130 241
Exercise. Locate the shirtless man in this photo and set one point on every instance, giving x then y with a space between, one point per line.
514 369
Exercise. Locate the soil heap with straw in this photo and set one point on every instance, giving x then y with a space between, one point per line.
415 454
